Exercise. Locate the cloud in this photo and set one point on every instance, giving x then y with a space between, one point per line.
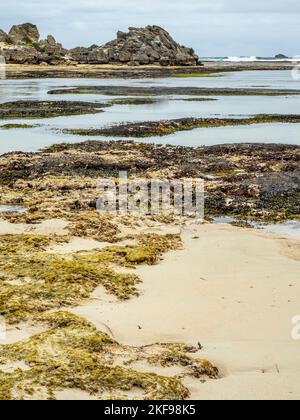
221 27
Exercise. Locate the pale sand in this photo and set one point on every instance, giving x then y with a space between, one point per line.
75 245
47 227
233 290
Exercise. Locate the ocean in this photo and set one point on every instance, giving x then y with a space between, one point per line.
250 59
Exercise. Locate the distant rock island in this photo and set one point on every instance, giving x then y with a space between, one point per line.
281 57
139 46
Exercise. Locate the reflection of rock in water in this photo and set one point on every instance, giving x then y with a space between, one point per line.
11 209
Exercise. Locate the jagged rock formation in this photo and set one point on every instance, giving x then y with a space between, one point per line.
22 45
51 52
4 38
140 46
26 33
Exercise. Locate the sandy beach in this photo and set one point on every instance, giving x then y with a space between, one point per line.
233 290
141 306
149 204
230 291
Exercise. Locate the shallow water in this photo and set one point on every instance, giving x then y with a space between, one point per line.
290 228
49 130
11 209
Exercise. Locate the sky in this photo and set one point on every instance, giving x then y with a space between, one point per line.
211 27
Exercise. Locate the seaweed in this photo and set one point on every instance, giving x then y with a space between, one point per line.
34 281
163 90
179 355
74 355
47 109
15 126
168 127
133 101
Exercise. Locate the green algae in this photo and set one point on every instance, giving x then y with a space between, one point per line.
133 101
148 250
34 281
47 109
179 355
16 126
74 355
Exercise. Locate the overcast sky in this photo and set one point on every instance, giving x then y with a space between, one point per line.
212 27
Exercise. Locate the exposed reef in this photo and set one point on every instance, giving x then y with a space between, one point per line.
47 109
39 283
164 91
252 180
167 127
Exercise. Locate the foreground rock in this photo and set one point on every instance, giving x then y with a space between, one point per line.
140 46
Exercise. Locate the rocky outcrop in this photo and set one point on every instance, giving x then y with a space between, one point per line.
26 33
281 57
51 52
140 46
4 38
22 45
24 55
